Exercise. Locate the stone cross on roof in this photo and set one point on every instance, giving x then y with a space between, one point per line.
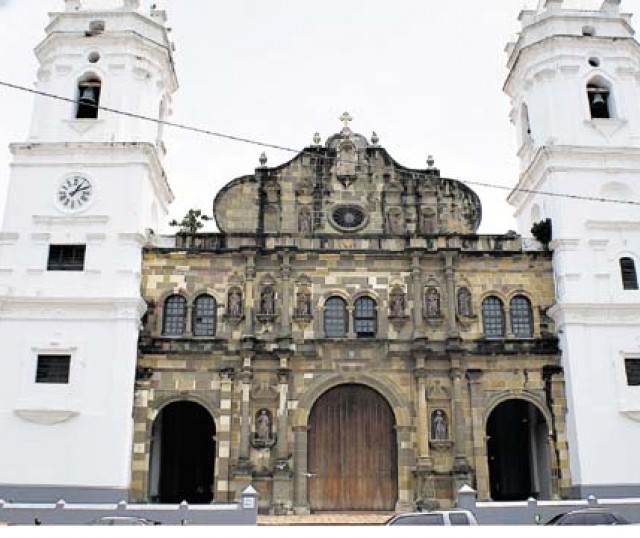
346 118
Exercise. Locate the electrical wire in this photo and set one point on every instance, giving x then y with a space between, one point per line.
297 151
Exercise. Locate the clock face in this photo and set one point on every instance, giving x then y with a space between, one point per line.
74 193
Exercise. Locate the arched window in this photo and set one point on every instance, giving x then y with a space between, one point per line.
629 275
204 316
335 318
89 89
493 317
365 322
521 317
175 313
599 96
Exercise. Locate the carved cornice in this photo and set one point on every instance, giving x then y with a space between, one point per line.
595 314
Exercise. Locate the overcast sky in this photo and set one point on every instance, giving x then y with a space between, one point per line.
425 75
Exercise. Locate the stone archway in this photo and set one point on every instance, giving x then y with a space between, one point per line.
518 452
183 453
352 452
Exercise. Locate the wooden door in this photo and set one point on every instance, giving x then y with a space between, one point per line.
353 462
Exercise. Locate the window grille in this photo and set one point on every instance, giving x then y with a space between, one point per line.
629 276
335 318
365 318
204 317
66 257
493 317
53 369
632 367
175 310
521 317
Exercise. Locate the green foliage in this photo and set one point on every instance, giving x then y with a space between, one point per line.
191 222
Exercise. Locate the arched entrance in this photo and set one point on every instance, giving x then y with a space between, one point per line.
182 455
352 458
518 452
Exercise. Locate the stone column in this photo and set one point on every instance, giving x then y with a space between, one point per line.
556 401
351 332
223 436
301 497
417 293
406 456
284 374
425 478
479 434
249 295
246 377
188 321
461 466
285 304
449 271
282 474
422 429
508 329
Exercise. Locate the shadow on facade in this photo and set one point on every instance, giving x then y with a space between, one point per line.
518 450
183 453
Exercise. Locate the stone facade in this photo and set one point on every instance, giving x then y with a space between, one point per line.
344 220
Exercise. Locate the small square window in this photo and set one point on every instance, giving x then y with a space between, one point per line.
632 367
53 369
66 257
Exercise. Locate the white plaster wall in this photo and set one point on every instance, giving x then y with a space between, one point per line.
92 446
604 432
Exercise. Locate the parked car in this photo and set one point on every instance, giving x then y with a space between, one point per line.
588 516
436 517
122 520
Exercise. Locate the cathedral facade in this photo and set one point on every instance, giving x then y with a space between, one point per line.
345 343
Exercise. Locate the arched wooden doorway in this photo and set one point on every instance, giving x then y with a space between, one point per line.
182 455
353 462
518 452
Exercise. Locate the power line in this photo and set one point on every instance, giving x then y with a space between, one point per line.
297 151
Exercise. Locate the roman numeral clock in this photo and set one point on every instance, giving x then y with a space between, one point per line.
74 193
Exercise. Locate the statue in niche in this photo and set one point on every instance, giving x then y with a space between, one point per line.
263 425
439 426
303 303
397 303
234 308
267 301
464 302
432 301
347 160
396 226
304 221
427 221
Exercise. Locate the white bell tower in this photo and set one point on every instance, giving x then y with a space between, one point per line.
575 97
84 191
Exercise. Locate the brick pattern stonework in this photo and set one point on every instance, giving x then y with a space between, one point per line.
429 352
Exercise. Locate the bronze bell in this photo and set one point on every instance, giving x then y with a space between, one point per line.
88 96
